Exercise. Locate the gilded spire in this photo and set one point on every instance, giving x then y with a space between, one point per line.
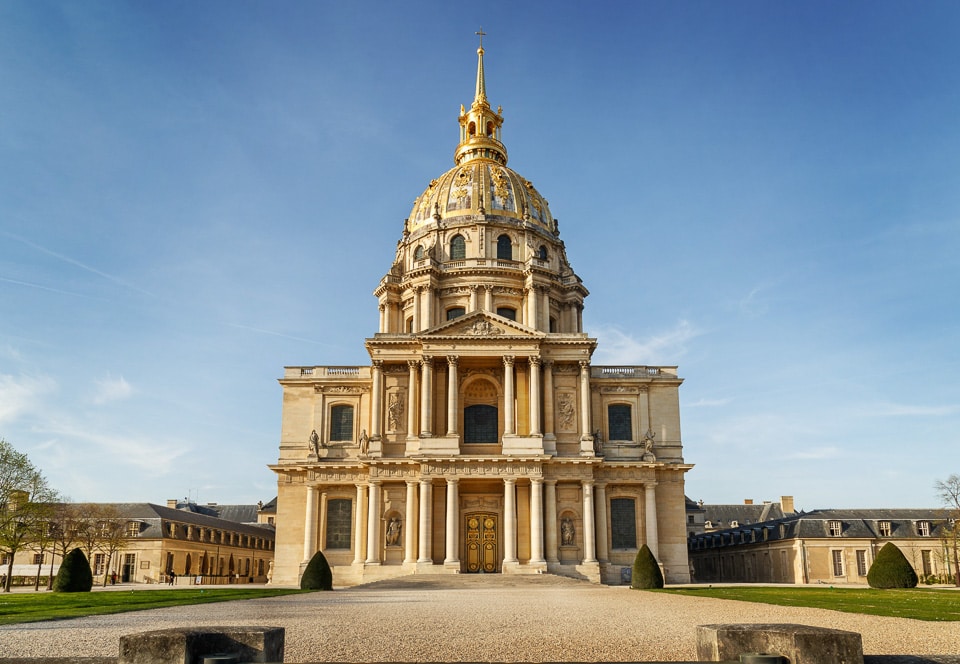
481 95
480 126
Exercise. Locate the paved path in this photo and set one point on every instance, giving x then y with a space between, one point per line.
480 618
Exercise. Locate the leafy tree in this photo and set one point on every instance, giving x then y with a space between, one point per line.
25 503
317 575
949 493
74 575
646 571
891 569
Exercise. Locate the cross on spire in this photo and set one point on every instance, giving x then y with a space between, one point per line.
481 33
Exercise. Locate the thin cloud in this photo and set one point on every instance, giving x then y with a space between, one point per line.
112 389
709 403
137 451
49 289
279 334
617 347
815 454
23 394
76 263
911 410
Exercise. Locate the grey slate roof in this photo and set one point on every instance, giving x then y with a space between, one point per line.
723 516
153 515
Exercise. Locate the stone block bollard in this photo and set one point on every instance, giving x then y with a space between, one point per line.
194 645
798 644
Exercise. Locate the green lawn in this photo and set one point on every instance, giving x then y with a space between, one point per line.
917 603
28 607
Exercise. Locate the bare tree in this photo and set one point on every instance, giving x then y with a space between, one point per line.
25 502
948 491
64 531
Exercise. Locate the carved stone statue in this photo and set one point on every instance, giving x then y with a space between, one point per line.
395 411
315 442
394 529
647 444
567 532
364 441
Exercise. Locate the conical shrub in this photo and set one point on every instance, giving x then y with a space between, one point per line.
891 569
317 575
74 575
646 571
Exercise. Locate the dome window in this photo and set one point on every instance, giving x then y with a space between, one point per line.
458 248
542 253
418 253
504 248
489 130
472 130
455 312
507 312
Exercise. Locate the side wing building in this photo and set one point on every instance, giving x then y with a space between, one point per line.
480 438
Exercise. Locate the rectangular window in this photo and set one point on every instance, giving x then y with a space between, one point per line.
923 528
837 562
861 562
836 528
339 517
133 528
38 559
98 562
623 522
341 423
619 424
926 562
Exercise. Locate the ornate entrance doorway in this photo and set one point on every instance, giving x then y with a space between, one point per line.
481 542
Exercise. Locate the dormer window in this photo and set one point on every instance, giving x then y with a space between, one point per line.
923 528
884 528
836 528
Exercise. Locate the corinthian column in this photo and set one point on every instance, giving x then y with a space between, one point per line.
585 401
508 406
358 514
650 518
411 398
600 507
426 397
376 407
452 394
488 298
410 533
549 435
473 297
535 396
426 522
453 501
416 309
551 517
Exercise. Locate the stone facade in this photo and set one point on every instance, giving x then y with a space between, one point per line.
480 438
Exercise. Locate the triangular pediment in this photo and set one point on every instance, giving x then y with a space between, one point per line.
481 324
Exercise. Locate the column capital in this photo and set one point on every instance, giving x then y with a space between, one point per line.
375 482
378 364
413 364
584 364
550 482
534 361
428 360
412 482
650 485
536 480
452 480
509 480
474 287
548 364
452 360
508 360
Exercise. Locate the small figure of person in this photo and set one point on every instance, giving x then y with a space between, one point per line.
172 578
113 578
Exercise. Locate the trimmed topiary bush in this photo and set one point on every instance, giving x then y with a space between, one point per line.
317 575
891 569
646 571
74 575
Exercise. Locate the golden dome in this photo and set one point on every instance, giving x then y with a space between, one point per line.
480 183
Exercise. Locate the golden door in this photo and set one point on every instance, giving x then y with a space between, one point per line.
481 542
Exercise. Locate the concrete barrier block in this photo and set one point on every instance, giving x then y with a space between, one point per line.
799 644
189 645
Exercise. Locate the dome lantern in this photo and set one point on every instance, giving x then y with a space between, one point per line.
480 126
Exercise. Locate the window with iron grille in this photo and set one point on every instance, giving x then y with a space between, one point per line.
339 517
458 248
623 523
619 422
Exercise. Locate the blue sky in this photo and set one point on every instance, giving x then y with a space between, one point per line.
767 194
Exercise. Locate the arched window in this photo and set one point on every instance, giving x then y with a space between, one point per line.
473 129
341 423
619 424
480 424
458 248
418 253
507 312
455 312
504 248
339 515
542 253
489 130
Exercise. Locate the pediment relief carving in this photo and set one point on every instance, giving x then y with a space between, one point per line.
481 325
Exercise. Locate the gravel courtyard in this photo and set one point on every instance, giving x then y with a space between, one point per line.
481 618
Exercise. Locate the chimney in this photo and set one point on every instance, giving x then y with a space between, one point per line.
786 504
172 503
748 501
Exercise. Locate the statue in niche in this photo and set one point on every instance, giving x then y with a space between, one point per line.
315 442
364 441
394 529
597 443
647 444
567 532
395 411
